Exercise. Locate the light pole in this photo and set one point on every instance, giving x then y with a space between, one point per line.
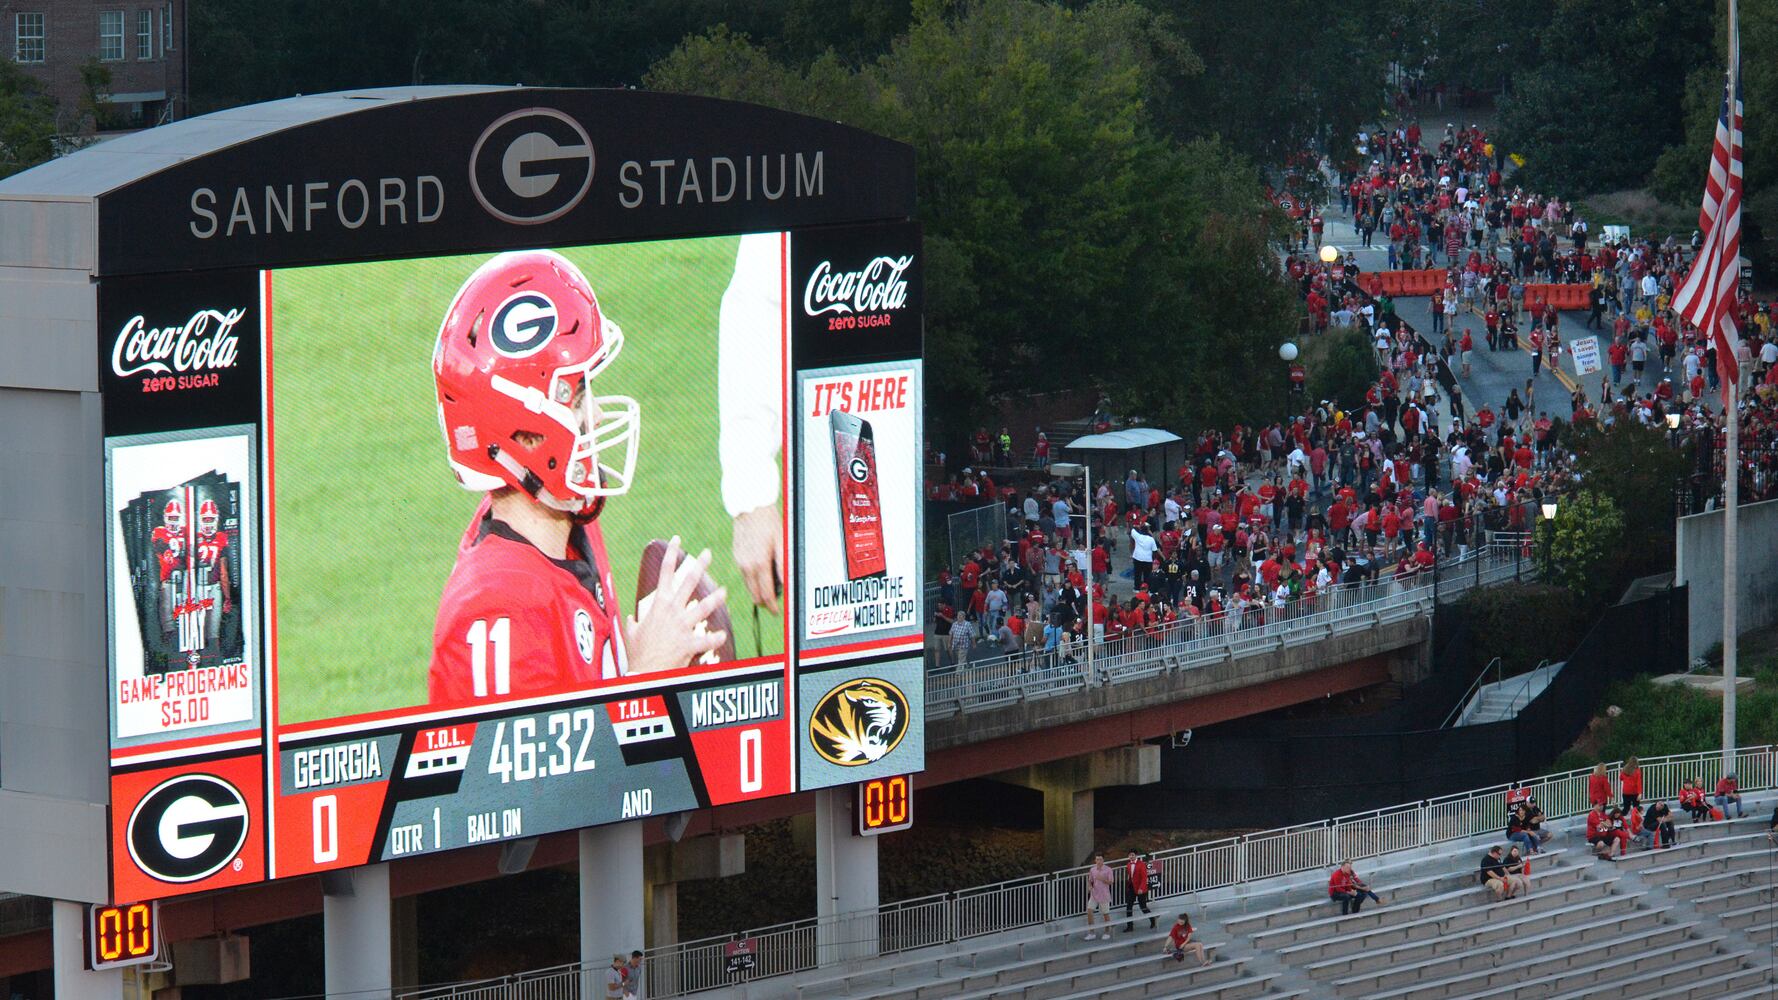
1068 470
1287 352
1549 530
1329 253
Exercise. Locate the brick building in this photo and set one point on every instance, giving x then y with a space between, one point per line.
142 43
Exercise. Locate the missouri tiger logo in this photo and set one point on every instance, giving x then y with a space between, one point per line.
859 722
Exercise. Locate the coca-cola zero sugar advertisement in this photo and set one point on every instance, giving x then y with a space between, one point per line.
179 351
856 294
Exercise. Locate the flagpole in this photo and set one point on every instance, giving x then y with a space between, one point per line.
1731 485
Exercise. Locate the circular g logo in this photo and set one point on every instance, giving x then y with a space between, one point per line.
523 324
187 828
858 470
531 166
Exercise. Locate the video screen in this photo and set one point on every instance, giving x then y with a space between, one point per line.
506 476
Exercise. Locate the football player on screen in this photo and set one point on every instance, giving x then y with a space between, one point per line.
530 606
172 559
215 580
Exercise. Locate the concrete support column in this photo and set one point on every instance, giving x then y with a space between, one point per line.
1067 826
405 938
1067 786
611 892
73 980
357 932
845 879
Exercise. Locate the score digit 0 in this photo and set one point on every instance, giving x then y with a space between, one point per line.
117 936
883 805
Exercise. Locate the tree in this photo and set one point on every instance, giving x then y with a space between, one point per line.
1276 76
1073 244
1581 548
27 120
1637 470
1597 103
1679 174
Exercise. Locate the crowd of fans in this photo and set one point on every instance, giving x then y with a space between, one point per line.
1263 523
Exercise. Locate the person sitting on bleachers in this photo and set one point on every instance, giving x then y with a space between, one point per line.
1726 793
1493 874
1772 830
1518 872
1179 941
1518 832
1691 799
1534 823
1603 830
1348 889
1657 827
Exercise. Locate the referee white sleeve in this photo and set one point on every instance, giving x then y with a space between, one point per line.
750 375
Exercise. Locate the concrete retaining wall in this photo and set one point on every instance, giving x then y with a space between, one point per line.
1698 564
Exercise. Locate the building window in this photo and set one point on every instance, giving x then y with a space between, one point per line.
111 35
28 38
167 28
145 34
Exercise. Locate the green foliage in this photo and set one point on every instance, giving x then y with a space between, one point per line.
1072 243
1679 175
277 48
27 120
1580 550
1276 75
1522 623
1660 719
97 113
1636 468
1341 365
1594 106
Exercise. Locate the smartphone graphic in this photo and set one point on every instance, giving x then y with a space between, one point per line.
861 509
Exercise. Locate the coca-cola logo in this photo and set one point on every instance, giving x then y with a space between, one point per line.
205 342
875 287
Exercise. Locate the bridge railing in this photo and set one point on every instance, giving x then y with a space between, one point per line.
1188 643
953 917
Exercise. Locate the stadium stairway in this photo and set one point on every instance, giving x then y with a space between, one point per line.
1695 920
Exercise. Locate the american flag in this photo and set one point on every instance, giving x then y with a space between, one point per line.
1707 297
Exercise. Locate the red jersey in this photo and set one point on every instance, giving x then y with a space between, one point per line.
169 551
213 557
515 621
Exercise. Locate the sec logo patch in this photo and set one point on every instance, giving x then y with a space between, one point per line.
583 634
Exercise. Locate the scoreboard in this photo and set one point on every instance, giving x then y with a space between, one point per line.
448 504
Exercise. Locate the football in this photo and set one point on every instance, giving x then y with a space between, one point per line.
648 576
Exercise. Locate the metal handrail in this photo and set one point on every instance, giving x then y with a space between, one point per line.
947 918
1474 686
1041 674
1525 688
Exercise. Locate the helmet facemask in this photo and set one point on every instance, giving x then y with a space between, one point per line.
599 424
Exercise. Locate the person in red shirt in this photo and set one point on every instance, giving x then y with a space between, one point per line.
1603 830
1630 783
1136 869
524 426
1345 887
1179 941
1599 786
1726 793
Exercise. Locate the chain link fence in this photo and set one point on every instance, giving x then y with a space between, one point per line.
969 530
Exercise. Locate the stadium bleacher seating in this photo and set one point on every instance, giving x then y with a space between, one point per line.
1694 920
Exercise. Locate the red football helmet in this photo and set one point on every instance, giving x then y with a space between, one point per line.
516 356
209 518
174 515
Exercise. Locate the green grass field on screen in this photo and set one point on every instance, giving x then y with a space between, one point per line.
368 512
